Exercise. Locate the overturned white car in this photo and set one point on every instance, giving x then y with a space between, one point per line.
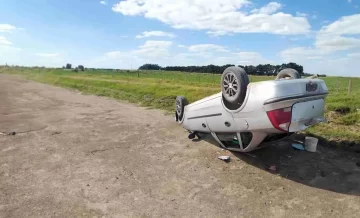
243 114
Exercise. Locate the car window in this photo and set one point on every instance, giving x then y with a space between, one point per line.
231 140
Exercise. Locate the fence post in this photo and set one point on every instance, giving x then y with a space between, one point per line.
350 86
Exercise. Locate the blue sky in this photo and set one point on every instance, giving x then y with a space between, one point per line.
321 35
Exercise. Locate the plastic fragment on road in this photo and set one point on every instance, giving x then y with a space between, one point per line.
298 146
272 168
224 158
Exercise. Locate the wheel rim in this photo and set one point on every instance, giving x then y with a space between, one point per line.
231 85
178 106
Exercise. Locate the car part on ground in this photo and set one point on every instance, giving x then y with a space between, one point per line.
243 114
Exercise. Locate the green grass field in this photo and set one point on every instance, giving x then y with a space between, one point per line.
157 89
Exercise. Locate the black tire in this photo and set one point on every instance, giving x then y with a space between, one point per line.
288 72
181 102
234 82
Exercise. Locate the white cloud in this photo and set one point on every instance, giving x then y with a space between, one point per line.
154 49
336 43
340 35
150 50
6 49
161 52
7 28
299 14
47 55
270 8
248 55
205 48
295 52
315 57
115 54
103 2
302 53
317 61
206 58
345 25
147 34
218 33
4 41
17 56
354 55
349 1
216 16
239 58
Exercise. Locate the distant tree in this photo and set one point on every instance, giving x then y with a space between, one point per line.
261 69
68 66
150 67
81 67
75 70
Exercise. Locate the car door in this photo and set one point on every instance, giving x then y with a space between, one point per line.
220 120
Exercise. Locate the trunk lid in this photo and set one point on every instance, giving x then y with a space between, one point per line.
306 114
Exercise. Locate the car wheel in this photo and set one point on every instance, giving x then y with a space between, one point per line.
288 73
234 82
181 102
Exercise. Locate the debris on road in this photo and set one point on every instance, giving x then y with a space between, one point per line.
224 158
298 146
7 133
56 133
311 144
272 168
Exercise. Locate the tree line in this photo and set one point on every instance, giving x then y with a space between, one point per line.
261 69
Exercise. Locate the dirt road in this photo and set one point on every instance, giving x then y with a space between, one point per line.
77 155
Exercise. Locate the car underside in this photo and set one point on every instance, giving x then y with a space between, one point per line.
244 115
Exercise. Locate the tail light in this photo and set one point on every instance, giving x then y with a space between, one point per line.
280 118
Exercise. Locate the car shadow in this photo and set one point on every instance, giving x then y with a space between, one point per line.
332 167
